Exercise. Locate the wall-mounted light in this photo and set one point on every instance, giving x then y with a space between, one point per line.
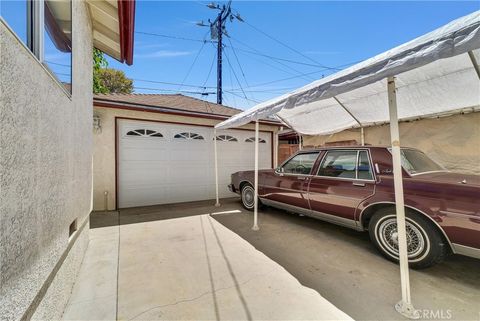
97 126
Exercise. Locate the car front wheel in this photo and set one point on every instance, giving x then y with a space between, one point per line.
248 196
425 245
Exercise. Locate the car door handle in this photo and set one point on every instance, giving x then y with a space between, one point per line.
302 178
359 184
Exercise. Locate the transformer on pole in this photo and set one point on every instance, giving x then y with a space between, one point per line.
217 30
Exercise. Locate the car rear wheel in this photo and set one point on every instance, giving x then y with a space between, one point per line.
248 196
425 245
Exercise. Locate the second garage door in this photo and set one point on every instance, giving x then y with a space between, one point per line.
161 163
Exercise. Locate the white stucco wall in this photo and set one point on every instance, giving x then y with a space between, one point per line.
452 141
45 172
104 147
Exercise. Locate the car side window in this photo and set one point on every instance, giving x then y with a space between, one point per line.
300 164
346 164
339 163
364 169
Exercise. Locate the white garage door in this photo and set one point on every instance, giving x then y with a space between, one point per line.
161 163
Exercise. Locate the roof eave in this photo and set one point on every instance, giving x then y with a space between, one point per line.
113 24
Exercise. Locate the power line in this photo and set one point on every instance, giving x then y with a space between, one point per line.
58 64
172 37
263 62
210 71
239 64
231 84
255 51
272 91
193 64
171 83
287 46
234 94
235 74
203 93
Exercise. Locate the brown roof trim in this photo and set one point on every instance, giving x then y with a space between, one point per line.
165 110
126 24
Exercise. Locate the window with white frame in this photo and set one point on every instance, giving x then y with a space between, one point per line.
45 27
144 133
226 138
189 136
252 139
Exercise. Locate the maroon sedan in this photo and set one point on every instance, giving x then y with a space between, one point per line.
353 187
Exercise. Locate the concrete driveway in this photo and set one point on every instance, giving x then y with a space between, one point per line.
345 268
177 262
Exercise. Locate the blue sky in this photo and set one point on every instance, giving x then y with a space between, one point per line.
329 33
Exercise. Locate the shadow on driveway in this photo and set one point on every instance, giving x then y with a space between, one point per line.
345 268
340 263
159 212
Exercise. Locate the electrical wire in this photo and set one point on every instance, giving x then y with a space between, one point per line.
171 83
255 52
191 66
176 91
234 94
239 64
172 37
287 46
210 71
293 77
277 60
235 74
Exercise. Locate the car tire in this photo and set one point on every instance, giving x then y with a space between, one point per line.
247 195
426 246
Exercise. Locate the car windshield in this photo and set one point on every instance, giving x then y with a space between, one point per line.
416 162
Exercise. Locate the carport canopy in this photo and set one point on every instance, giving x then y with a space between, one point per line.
433 75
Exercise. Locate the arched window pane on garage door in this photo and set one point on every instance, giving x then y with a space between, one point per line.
189 136
144 133
252 139
226 138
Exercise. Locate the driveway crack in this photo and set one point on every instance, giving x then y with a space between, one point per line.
200 296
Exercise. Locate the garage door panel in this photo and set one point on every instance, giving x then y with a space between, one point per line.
164 170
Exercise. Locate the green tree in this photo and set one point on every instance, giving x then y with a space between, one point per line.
99 62
115 81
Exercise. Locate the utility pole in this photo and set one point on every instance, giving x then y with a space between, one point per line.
217 30
219 55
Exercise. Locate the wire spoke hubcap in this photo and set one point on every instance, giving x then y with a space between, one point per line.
248 196
388 234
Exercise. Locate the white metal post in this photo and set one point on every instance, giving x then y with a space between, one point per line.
255 206
217 201
405 306
275 149
362 138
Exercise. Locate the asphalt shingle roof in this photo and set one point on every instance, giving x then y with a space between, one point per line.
176 101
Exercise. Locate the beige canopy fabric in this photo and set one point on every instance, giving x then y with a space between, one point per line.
435 74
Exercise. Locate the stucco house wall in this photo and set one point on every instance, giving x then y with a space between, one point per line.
45 175
452 141
104 147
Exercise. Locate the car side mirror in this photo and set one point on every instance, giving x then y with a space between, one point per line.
279 170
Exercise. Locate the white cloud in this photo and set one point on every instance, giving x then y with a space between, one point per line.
163 54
